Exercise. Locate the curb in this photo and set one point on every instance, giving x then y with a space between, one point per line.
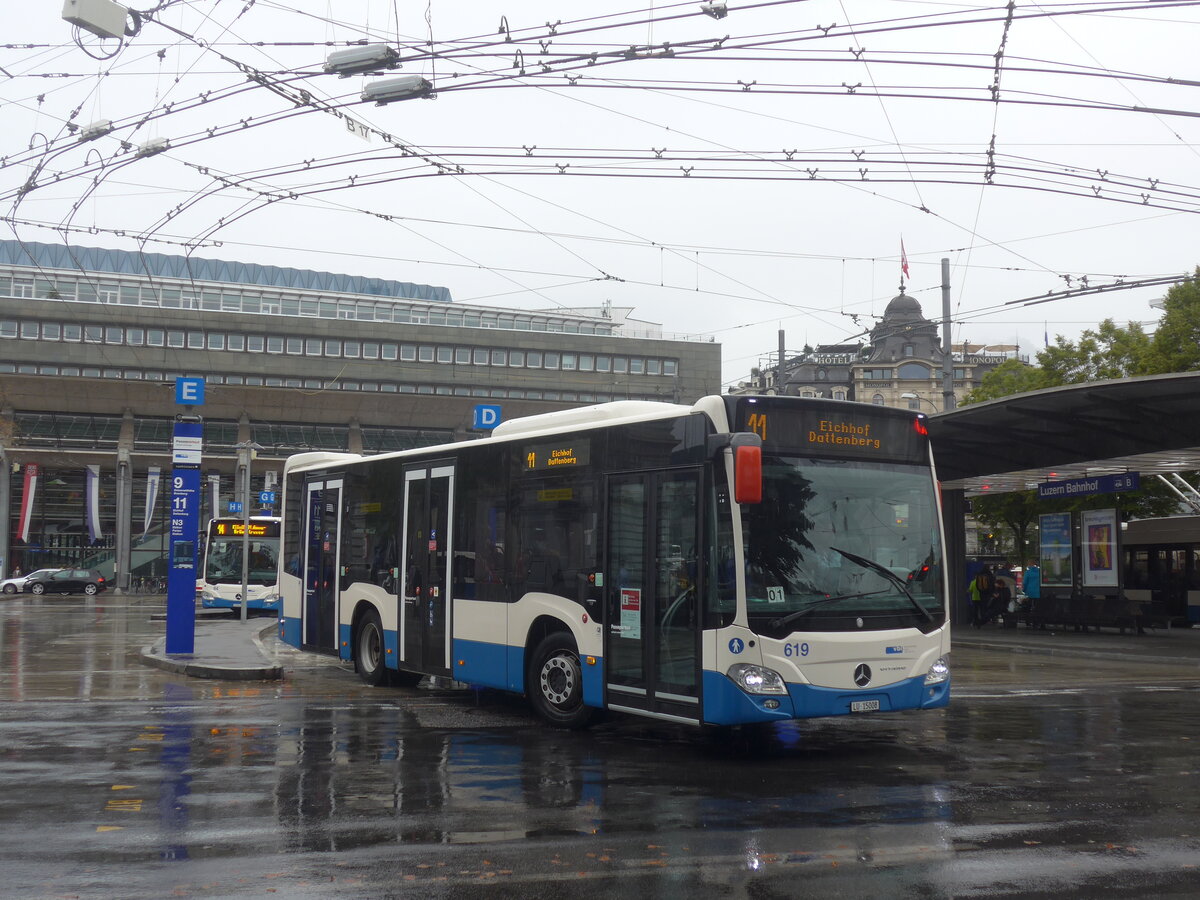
187 664
1080 652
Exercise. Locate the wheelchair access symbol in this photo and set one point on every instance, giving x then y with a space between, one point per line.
736 645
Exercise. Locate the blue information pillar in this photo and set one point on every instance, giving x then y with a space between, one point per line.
185 530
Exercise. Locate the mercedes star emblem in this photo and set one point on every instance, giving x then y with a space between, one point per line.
862 675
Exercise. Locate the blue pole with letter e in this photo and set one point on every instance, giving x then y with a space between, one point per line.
184 533
181 572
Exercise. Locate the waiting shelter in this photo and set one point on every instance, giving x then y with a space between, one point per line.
1148 425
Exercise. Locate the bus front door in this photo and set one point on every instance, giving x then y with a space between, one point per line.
652 633
425 570
322 524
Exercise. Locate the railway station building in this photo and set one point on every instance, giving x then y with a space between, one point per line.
291 359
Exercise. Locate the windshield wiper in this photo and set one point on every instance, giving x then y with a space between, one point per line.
801 613
888 574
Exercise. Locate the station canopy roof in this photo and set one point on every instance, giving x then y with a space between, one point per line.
1148 425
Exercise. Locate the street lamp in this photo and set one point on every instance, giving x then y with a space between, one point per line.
909 395
247 450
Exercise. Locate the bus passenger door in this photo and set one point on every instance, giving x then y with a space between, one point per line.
322 526
425 568
652 573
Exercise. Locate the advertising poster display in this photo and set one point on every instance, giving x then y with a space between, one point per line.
1055 549
1099 531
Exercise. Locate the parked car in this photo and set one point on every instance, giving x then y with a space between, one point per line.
16 584
66 581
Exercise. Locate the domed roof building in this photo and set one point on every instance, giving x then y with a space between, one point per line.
901 364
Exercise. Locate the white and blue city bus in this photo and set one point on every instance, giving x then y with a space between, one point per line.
743 559
220 583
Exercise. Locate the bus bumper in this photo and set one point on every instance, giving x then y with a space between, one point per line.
727 704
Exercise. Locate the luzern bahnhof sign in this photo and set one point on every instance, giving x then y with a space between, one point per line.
1080 487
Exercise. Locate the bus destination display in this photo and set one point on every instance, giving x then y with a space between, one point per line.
563 455
834 432
238 529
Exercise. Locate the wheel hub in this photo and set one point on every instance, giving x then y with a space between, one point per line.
558 680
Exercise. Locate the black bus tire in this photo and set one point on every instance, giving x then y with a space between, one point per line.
368 650
556 683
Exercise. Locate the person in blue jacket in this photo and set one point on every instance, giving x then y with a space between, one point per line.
1032 582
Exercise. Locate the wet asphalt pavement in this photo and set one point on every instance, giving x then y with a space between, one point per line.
1051 773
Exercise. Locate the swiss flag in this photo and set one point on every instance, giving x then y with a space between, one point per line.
903 259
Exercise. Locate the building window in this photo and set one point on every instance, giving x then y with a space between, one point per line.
551 361
274 345
568 362
462 356
30 331
351 349
370 350
516 357
533 359
216 340
909 350
295 347
480 357
135 337
175 339
499 358
877 400
425 354
914 372
255 343
312 347
389 352
333 348
620 365
445 355
408 353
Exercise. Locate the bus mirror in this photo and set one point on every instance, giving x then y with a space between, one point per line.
747 474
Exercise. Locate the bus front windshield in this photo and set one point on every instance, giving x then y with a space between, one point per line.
223 560
837 545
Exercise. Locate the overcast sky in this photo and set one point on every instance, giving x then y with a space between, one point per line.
727 177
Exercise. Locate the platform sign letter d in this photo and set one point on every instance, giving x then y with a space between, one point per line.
487 417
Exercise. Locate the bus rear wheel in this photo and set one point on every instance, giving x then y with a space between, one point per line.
556 683
368 650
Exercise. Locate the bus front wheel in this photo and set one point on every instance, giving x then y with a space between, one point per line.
556 683
368 650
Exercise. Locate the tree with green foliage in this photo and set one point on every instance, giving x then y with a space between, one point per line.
1010 377
1175 346
1107 352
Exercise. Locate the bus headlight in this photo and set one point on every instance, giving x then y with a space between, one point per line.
756 679
938 672
270 599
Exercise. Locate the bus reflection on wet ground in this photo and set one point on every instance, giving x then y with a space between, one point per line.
1047 774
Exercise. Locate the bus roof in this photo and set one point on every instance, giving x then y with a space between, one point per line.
596 414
